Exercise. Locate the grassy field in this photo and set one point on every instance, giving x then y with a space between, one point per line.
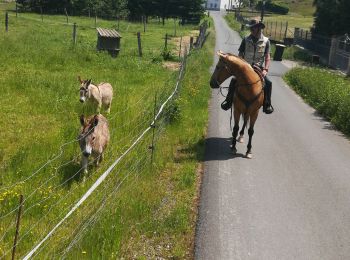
39 155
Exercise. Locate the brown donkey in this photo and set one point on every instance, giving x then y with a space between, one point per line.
248 96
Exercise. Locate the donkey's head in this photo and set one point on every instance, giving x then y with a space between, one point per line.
87 134
84 89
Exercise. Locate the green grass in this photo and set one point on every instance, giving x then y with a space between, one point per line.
327 92
40 110
302 7
293 19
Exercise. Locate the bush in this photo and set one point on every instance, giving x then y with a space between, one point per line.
327 92
276 7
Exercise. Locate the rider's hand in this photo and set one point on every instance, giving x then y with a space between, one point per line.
264 72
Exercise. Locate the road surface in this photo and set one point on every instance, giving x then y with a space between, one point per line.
292 200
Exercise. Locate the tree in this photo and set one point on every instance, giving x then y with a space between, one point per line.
332 17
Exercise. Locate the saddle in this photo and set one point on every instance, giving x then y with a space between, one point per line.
258 71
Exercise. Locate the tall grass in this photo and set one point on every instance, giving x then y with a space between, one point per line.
40 111
327 92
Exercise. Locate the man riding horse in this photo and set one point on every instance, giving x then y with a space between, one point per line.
255 49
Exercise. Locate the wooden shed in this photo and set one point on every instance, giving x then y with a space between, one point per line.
109 40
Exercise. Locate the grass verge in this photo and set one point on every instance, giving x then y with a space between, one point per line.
327 92
40 109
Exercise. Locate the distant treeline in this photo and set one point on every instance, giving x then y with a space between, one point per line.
186 10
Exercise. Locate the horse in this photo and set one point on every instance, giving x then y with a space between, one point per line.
248 96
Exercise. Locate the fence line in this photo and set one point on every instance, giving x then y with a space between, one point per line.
109 170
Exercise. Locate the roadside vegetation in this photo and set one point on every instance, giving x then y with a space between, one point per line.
40 108
327 92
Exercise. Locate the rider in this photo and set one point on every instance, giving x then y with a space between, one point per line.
255 49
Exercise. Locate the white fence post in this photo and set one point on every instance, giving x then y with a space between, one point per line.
332 51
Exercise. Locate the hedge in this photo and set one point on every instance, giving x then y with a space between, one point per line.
327 92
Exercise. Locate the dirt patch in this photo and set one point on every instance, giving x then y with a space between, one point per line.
183 43
170 65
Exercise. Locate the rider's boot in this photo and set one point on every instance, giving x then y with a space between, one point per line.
227 103
267 107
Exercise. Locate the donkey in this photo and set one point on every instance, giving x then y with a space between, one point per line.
93 138
248 96
102 94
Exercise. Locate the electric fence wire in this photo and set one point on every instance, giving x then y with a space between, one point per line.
69 142
56 187
109 170
95 213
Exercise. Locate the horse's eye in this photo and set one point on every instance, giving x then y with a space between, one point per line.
93 138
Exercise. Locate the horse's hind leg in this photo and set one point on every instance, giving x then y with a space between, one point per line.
251 133
241 133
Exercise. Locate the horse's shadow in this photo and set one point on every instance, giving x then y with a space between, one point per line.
218 149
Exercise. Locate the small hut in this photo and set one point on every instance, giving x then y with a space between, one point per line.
109 40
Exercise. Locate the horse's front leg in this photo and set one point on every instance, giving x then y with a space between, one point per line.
253 118
235 132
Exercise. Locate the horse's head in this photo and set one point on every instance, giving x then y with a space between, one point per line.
227 66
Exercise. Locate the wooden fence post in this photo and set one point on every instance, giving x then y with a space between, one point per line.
16 9
41 11
139 43
95 21
285 32
144 23
166 41
348 71
6 21
191 43
332 50
65 10
17 226
151 147
180 46
276 31
281 31
75 33
174 27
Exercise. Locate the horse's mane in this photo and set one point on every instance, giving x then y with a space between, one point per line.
240 58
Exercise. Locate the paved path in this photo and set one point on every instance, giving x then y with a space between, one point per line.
292 201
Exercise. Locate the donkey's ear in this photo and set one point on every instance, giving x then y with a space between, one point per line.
82 120
80 80
95 123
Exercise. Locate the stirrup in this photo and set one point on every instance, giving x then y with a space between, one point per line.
226 105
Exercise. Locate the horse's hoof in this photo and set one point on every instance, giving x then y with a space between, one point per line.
240 139
249 155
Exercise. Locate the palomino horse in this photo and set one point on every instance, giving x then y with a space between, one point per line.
248 96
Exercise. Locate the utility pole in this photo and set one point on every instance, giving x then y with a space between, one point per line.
262 11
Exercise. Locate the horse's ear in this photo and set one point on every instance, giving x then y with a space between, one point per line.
88 83
80 80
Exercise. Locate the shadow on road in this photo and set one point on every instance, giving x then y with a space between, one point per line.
218 149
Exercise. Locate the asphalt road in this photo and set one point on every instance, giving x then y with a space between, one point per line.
292 200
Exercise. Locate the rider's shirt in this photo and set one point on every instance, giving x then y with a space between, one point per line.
254 49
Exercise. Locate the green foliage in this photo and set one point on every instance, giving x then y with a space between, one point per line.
274 7
327 92
332 17
40 108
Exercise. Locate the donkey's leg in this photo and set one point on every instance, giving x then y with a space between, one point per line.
235 131
251 133
241 133
84 165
